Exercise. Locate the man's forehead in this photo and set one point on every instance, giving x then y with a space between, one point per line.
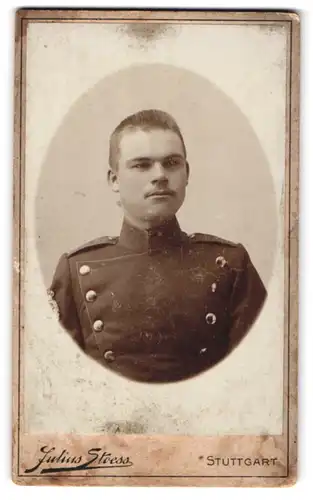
148 143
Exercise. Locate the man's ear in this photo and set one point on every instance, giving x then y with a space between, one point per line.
112 180
188 171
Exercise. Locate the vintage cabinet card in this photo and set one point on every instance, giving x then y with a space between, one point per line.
155 257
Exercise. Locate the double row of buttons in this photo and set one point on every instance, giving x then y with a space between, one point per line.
98 324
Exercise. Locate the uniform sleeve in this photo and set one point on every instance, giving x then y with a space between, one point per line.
247 299
61 298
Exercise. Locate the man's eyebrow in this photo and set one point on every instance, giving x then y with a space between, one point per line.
140 158
174 155
149 158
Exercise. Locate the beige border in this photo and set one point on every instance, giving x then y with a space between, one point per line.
283 447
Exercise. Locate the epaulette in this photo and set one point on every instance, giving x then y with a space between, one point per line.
209 238
98 242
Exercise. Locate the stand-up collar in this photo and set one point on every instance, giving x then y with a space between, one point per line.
157 238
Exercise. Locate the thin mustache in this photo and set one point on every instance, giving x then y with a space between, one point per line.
160 191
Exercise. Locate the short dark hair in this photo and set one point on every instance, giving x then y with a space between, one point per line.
147 119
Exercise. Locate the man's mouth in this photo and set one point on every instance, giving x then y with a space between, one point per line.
160 193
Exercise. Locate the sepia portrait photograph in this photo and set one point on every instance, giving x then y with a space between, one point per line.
155 269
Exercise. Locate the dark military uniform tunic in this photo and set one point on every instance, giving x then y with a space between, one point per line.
157 305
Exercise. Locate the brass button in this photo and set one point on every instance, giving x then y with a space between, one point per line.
210 319
221 261
83 270
91 296
109 356
98 325
213 287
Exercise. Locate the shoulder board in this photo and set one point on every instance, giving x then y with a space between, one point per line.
98 242
209 238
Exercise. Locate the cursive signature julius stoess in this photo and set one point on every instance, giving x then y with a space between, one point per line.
50 461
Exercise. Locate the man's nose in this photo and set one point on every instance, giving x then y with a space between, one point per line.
158 172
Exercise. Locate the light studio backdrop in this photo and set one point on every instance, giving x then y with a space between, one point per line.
226 87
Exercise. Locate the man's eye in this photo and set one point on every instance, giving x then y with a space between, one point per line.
173 162
143 165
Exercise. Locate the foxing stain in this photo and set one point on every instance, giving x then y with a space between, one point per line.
145 33
123 427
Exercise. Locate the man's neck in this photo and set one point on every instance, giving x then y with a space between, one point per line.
148 225
153 237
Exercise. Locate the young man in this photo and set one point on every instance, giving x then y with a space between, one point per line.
155 304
